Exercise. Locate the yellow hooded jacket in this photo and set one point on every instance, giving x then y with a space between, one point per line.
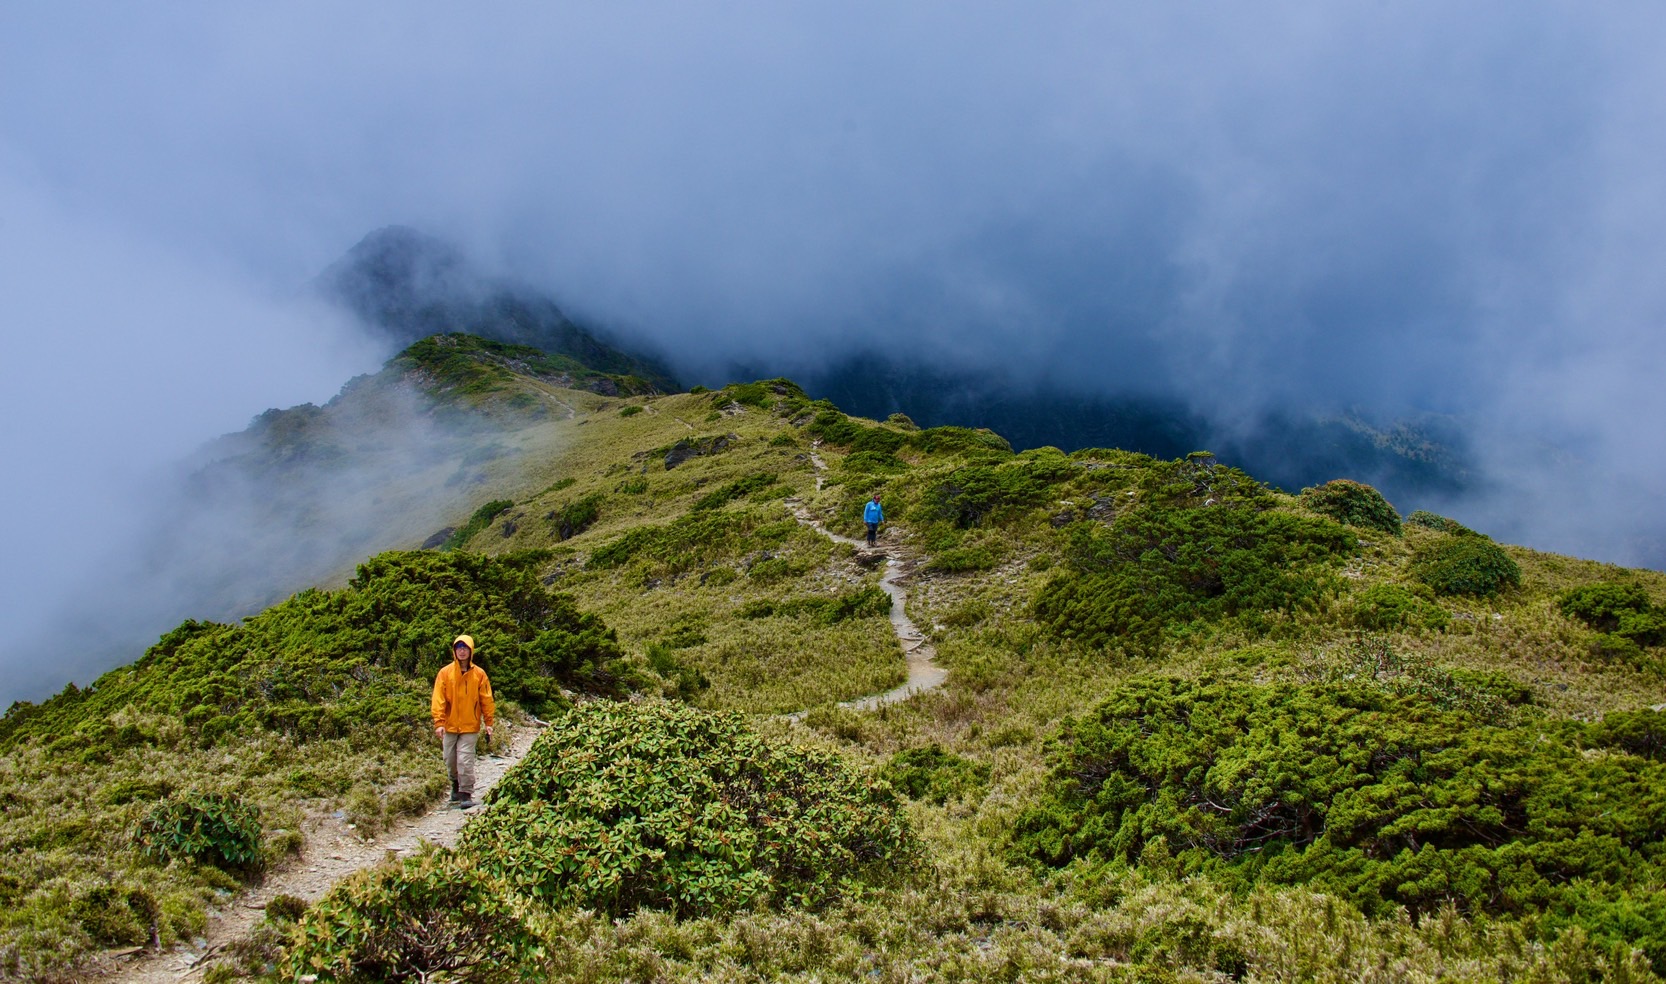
463 701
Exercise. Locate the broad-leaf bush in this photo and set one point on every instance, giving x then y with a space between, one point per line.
435 916
619 807
212 828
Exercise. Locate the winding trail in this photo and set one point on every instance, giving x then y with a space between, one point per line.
332 852
924 674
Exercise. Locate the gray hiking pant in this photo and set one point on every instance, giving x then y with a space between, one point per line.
459 760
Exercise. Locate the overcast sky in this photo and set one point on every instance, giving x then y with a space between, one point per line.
1397 206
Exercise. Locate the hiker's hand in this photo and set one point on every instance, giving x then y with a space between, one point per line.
488 734
439 733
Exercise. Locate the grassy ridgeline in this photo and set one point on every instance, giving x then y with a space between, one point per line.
318 703
1054 586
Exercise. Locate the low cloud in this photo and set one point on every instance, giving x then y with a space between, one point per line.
1397 209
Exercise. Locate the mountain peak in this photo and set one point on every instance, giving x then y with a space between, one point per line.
408 285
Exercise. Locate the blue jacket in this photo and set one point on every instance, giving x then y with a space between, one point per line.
873 513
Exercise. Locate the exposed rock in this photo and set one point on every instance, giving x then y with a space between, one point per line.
437 540
692 447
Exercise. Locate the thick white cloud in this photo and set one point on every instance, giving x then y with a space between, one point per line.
1397 206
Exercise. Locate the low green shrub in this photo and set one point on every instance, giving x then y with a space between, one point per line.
868 602
862 463
214 829
1634 732
630 411
686 681
974 495
762 394
1378 797
1466 566
577 516
117 915
740 488
973 442
960 560
285 908
1619 609
1353 503
1388 607
625 806
696 540
1157 567
934 775
436 916
481 519
1442 524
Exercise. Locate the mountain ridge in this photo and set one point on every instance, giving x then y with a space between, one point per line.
656 544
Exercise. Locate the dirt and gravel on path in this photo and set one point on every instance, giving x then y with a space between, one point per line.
333 850
920 656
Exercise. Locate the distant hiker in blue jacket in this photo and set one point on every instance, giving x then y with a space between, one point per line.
873 514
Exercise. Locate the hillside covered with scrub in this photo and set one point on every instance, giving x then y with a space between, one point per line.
1194 728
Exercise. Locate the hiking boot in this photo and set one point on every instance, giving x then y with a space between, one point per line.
455 795
466 804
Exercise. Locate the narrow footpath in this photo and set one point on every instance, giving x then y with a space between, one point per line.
920 656
332 852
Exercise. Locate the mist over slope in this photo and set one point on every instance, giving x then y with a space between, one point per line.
404 285
303 494
1322 668
1417 462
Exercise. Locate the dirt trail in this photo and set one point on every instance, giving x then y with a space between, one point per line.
546 392
923 672
332 852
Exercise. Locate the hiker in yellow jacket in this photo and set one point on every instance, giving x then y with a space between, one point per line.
462 705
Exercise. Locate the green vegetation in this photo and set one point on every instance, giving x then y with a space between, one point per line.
320 701
215 829
1389 607
1353 503
577 516
1620 609
869 602
1193 728
1467 565
481 519
1382 798
623 807
690 542
1431 521
618 808
740 488
471 367
934 775
1158 568
434 914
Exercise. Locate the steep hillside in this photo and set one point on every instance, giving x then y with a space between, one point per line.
1193 728
303 494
